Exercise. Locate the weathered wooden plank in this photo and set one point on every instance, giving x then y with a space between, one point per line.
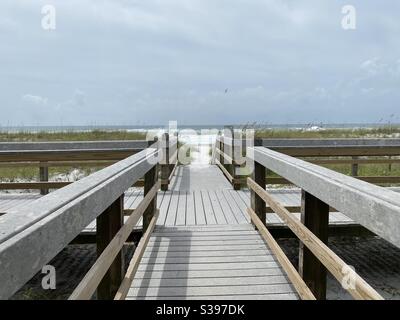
172 209
237 206
167 242
226 208
221 253
282 296
199 208
190 209
230 290
194 238
189 274
208 210
210 266
206 228
164 206
181 210
9 203
207 260
210 282
220 216
232 234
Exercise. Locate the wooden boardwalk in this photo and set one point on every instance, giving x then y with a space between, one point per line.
209 262
197 240
204 246
199 195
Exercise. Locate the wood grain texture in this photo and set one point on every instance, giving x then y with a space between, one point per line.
330 260
295 278
89 283
180 263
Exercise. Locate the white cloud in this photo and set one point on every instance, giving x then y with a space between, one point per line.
34 99
281 60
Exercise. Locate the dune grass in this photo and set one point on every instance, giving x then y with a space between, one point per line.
32 173
379 132
93 135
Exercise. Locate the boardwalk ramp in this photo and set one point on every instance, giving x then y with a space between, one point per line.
221 260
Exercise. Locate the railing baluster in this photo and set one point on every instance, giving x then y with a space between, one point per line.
257 203
315 216
107 225
354 168
150 179
165 166
44 177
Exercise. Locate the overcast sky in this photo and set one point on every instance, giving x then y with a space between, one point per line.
198 62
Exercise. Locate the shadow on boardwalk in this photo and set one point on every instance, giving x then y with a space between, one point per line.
374 259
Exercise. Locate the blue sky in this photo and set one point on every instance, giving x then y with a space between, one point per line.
198 62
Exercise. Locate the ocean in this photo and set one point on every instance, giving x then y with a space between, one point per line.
143 128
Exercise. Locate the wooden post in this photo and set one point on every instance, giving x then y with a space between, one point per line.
150 179
257 203
354 168
44 177
172 152
165 167
107 225
315 216
235 182
220 148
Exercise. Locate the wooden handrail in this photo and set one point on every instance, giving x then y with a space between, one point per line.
354 161
48 185
373 207
328 258
227 174
224 155
25 231
370 179
33 185
172 172
47 164
135 261
299 284
61 155
73 145
89 283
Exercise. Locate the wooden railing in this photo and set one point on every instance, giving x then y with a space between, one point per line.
31 235
373 207
230 154
94 154
169 161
